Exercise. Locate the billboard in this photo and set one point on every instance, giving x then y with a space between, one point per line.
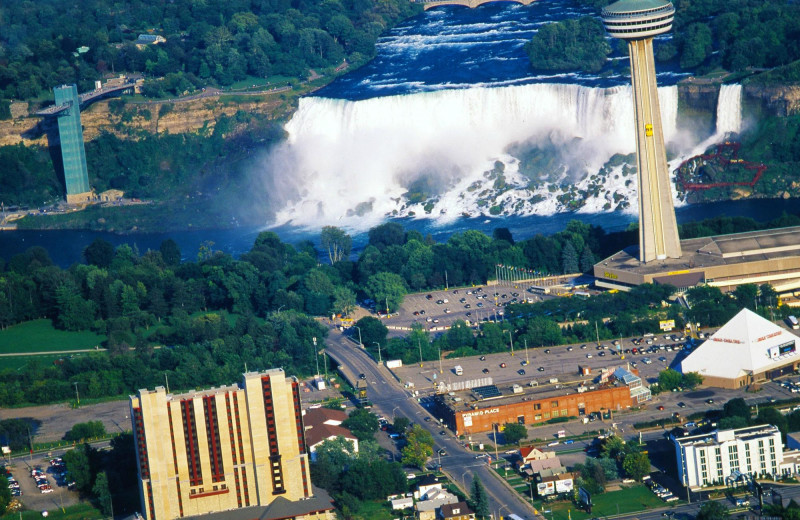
564 486
666 325
546 488
782 349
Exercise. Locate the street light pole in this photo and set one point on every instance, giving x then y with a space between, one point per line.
511 339
316 358
360 344
527 361
440 359
380 360
77 397
419 344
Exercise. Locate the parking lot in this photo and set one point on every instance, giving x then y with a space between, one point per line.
437 310
39 486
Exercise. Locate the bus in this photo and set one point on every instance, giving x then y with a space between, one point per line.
793 322
538 289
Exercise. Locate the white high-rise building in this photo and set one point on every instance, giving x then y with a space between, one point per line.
710 458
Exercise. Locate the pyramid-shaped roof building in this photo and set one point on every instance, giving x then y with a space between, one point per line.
747 349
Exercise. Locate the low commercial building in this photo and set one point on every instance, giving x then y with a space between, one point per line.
639 392
713 457
725 261
748 349
482 409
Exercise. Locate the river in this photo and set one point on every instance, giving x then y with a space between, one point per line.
66 247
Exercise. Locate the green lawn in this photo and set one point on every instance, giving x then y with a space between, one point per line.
374 510
629 500
41 336
17 362
81 511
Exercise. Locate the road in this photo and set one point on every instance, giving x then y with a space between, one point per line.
389 396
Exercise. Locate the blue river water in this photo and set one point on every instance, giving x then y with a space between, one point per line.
454 47
446 48
66 247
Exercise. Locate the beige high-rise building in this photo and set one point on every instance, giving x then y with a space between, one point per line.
637 22
239 447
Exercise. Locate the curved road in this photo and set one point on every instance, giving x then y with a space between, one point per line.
389 396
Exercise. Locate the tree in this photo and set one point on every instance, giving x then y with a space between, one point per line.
418 448
386 289
79 466
669 380
569 258
712 510
479 499
587 260
613 447
400 425
361 423
5 494
87 430
344 300
102 494
170 252
514 432
99 253
737 407
337 242
372 331
636 465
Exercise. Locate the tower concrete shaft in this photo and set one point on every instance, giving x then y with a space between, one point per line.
658 229
637 22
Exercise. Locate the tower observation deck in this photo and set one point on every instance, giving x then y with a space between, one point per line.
637 22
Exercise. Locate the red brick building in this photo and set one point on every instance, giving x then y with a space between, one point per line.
465 415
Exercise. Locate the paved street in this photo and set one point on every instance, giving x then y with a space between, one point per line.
390 398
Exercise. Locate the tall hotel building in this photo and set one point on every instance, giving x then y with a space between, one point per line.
711 458
239 447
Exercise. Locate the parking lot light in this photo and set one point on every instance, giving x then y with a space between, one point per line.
511 339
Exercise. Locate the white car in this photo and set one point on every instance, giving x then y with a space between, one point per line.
588 356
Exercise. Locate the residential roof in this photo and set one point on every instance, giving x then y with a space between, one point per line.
435 499
314 416
278 509
322 432
457 509
428 480
540 465
747 344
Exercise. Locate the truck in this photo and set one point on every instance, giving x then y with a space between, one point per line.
793 323
458 370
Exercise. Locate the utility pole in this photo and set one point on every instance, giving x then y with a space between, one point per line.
77 397
316 358
440 359
446 285
527 361
419 344
166 379
511 339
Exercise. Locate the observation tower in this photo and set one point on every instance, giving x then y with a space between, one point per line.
637 22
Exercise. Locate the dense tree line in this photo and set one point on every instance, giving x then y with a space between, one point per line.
211 42
707 34
569 45
212 316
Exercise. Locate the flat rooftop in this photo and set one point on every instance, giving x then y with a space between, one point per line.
717 436
718 250
464 400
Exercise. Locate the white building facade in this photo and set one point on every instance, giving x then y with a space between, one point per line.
711 458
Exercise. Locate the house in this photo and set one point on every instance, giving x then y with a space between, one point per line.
457 511
149 39
427 484
529 453
322 424
434 499
402 503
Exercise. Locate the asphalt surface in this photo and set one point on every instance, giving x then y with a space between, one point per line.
390 398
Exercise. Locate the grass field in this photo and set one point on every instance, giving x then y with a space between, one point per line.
40 336
628 500
76 512
17 362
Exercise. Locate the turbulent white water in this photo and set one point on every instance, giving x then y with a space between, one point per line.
351 162
729 109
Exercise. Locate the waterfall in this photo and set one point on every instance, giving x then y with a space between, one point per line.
352 162
729 109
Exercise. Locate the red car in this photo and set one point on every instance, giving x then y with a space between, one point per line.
660 407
